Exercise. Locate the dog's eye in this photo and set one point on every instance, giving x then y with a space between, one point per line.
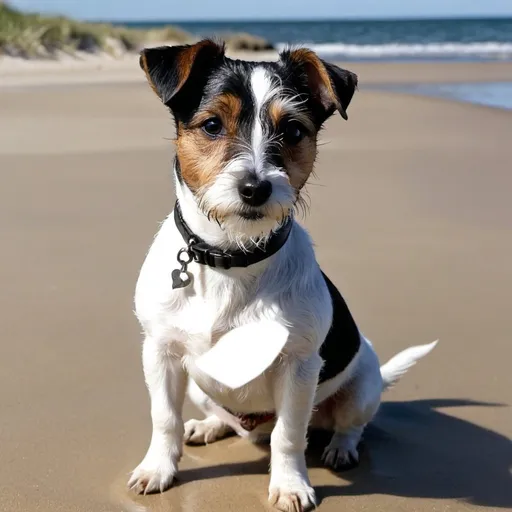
294 132
212 126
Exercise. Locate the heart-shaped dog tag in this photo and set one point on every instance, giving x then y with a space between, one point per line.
180 279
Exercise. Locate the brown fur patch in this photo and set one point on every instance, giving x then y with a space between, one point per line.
299 161
201 157
318 78
279 109
227 107
186 60
276 112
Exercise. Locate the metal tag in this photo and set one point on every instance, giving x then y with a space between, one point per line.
180 279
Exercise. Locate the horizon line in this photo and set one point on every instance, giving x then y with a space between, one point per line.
304 20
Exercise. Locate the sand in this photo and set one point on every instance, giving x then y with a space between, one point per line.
412 218
86 68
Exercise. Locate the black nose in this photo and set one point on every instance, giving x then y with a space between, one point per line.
253 191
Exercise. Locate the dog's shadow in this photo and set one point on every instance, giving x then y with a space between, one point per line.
412 449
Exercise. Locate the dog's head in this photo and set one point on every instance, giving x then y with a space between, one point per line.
246 131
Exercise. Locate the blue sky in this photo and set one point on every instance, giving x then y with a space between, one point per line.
263 9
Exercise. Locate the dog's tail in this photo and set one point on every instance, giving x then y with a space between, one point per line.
393 370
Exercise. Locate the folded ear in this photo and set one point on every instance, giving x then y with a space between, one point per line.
332 86
170 68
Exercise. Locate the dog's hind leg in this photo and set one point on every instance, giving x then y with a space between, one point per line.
342 451
349 418
354 405
349 411
211 428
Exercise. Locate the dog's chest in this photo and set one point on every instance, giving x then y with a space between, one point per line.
210 313
196 314
218 304
215 305
190 320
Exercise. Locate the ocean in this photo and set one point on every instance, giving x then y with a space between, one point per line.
485 39
489 94
446 39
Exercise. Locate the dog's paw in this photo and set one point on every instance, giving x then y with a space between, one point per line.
341 452
152 476
293 498
205 431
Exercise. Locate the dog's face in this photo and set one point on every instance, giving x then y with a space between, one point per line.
246 131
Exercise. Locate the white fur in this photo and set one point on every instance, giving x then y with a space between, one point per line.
264 88
222 195
180 325
399 364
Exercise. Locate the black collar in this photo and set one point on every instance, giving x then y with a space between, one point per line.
206 254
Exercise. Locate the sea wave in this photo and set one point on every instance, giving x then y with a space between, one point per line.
484 50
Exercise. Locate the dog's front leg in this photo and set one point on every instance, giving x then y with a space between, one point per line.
290 489
166 382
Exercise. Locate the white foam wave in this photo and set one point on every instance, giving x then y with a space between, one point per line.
486 50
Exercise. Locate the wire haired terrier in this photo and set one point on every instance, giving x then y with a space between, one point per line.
232 268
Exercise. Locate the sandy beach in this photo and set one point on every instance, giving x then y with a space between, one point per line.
412 219
87 68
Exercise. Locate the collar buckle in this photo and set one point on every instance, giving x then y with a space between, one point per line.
206 255
219 260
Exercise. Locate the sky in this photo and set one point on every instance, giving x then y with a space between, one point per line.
194 10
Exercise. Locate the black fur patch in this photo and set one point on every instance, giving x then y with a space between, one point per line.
177 168
342 341
233 77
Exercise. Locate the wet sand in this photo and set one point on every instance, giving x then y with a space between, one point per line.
412 218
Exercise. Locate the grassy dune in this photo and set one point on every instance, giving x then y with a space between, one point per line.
34 35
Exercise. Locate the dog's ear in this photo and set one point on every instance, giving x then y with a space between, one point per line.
331 86
171 69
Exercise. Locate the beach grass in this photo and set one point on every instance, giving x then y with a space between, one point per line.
32 35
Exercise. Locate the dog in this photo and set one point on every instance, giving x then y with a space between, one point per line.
232 254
